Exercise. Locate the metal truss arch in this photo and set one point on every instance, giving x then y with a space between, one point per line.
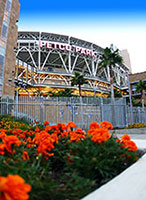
49 59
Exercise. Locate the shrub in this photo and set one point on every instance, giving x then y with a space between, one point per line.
62 161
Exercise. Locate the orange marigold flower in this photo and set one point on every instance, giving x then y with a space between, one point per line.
118 140
80 131
125 137
29 145
99 135
46 123
2 135
37 129
62 127
9 140
2 149
13 187
94 125
25 156
45 143
71 125
64 134
130 145
107 125
28 139
77 135
48 128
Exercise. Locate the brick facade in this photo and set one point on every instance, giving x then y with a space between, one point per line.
134 79
137 77
10 58
2 7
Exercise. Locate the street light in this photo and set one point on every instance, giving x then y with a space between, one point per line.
130 99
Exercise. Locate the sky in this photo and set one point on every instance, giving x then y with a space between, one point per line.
103 22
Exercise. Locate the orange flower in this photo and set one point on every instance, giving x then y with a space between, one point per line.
107 125
37 129
2 149
77 135
125 137
94 125
13 187
2 135
118 140
71 125
62 127
46 123
25 156
127 143
45 143
9 140
99 135
130 145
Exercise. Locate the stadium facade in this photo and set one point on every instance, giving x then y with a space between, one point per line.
9 14
48 61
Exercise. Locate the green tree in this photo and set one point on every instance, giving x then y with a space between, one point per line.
67 92
117 93
110 59
78 80
141 87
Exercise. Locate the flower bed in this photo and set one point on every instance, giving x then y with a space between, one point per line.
60 161
136 125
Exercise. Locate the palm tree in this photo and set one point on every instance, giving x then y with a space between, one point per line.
141 87
110 58
78 80
117 94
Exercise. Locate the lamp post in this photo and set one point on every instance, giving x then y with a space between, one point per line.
17 84
130 99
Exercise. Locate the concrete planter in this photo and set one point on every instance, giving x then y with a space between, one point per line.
129 185
130 131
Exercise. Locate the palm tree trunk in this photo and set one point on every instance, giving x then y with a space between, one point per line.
112 98
143 98
111 83
80 92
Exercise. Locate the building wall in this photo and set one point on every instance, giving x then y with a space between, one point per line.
2 6
137 77
126 59
11 42
134 79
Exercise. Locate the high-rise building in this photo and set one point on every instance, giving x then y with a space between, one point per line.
9 14
126 59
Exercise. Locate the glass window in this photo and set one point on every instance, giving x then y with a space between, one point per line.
8 6
1 60
4 30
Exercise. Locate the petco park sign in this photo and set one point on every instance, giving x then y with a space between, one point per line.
68 47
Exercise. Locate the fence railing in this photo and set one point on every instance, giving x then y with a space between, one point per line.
82 111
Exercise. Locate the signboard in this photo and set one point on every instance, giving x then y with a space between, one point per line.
69 48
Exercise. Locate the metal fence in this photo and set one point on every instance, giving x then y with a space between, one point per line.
82 111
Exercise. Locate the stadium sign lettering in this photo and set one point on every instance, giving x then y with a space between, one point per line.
68 47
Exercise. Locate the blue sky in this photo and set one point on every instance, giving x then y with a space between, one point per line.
102 22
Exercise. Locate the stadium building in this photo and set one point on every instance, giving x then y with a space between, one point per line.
47 62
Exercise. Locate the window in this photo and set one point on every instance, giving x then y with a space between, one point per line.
1 61
4 30
8 6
